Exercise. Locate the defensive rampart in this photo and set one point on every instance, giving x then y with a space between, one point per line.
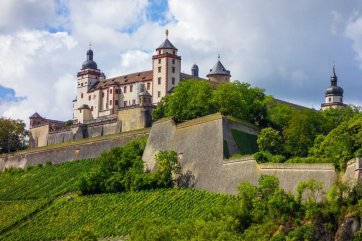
76 150
200 146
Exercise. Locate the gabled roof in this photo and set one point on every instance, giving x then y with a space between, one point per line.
218 69
166 45
184 76
124 79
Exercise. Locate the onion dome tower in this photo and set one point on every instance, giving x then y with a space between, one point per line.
218 73
334 94
195 70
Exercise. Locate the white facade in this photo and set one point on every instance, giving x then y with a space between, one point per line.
99 97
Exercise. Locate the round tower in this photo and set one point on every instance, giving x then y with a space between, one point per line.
218 73
333 94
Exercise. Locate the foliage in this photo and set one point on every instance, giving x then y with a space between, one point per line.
308 160
278 114
341 144
264 156
13 135
46 181
309 191
81 235
121 169
116 214
167 165
270 140
11 212
195 98
190 99
301 131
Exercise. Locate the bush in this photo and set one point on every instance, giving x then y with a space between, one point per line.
82 235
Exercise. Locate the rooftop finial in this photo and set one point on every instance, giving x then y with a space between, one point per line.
90 45
166 33
218 56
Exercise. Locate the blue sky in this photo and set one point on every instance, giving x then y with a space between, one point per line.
285 47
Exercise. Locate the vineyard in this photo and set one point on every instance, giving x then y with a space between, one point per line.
46 181
116 214
43 203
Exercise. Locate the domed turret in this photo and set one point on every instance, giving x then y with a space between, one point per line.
333 94
89 63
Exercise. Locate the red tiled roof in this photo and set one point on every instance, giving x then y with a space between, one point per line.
124 79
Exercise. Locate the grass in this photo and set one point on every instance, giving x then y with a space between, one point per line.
245 142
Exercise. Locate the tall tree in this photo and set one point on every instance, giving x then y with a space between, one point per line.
13 135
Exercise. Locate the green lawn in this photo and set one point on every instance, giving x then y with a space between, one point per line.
245 142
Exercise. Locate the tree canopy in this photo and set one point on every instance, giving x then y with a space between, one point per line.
13 135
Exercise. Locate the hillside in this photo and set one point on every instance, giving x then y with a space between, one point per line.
42 203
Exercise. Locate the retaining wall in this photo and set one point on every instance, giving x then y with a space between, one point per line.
85 149
199 145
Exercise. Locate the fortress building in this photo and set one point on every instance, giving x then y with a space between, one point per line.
107 106
334 94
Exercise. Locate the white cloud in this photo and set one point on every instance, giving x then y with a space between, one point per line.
34 64
286 47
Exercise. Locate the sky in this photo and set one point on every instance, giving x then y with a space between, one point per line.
286 47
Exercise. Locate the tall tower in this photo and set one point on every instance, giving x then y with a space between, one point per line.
218 73
87 77
334 94
195 70
166 66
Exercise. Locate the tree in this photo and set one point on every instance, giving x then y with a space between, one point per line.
167 164
301 131
270 140
190 99
13 135
278 115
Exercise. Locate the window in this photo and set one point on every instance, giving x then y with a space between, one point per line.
159 69
159 51
89 97
173 61
329 99
81 84
110 102
124 103
110 91
102 94
148 86
81 95
159 80
173 69
341 99
173 81
125 89
133 102
117 91
91 108
116 102
159 93
131 88
174 52
159 61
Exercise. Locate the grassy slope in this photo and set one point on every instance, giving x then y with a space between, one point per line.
31 208
245 142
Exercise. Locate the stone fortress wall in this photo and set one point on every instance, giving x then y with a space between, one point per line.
200 146
76 150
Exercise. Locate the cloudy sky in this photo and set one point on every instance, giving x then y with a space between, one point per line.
286 47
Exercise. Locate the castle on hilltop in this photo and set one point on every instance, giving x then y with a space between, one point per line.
124 103
106 106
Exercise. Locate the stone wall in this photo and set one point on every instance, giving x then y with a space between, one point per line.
134 118
39 136
199 144
77 150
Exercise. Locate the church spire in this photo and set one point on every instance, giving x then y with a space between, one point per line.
334 77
